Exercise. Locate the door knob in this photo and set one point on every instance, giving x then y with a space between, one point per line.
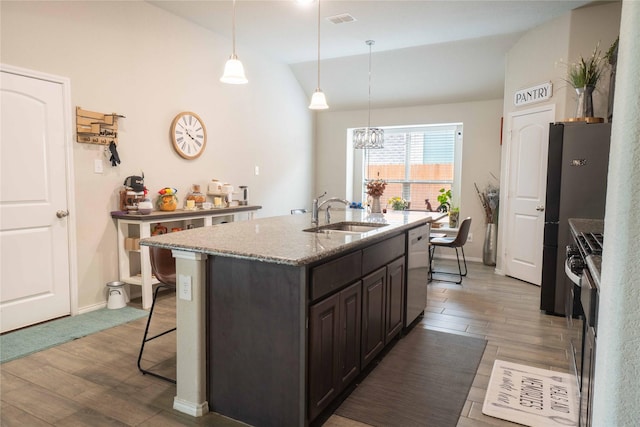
62 214
540 208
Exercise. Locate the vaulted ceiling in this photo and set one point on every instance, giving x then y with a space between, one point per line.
425 52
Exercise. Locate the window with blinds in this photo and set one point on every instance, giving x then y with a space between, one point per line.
416 162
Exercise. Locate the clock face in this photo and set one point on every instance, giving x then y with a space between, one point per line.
189 135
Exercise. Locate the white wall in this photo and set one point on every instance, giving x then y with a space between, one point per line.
480 153
591 26
140 61
542 55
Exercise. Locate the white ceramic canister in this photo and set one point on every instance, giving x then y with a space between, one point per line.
228 190
145 207
215 187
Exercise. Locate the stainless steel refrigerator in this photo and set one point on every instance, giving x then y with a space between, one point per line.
576 188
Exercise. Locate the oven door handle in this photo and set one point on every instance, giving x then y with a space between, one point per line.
570 274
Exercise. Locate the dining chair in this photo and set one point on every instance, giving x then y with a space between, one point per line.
456 243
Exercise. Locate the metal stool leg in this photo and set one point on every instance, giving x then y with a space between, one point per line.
460 273
145 339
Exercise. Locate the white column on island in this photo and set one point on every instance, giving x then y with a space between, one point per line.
616 391
191 380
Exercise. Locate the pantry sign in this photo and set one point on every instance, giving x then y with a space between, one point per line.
533 94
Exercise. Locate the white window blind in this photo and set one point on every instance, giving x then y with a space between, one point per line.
416 162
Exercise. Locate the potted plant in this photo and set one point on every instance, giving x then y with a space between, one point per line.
398 203
454 217
584 76
444 199
375 189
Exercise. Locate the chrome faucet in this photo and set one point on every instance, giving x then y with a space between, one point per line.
316 207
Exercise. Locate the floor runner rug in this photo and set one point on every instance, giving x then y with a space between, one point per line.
423 381
14 345
531 396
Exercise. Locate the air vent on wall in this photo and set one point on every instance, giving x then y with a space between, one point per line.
341 19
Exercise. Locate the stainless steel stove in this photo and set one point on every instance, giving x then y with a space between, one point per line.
582 313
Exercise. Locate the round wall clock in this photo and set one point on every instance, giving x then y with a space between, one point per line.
189 135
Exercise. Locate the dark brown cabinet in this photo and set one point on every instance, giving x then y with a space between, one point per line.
373 311
350 329
395 298
334 346
356 308
382 308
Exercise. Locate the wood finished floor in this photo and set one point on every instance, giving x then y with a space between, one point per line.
94 381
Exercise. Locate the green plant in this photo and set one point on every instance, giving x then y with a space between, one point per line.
586 72
398 203
444 199
612 54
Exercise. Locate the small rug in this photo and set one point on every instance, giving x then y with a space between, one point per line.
423 381
531 396
14 345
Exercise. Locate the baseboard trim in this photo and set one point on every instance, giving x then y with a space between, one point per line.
92 307
190 408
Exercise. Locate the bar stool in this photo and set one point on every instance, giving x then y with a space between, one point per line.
452 242
163 266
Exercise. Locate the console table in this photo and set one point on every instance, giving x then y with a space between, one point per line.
133 262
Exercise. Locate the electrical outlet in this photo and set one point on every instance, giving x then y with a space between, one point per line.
257 170
470 237
184 287
97 166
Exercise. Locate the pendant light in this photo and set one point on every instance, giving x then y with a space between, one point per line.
233 69
368 137
318 100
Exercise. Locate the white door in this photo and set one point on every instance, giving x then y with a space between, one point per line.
527 174
34 229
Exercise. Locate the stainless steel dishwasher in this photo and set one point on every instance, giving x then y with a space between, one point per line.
417 272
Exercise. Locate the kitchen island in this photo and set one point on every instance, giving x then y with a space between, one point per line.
274 321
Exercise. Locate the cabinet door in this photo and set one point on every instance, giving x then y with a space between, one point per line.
373 311
394 298
350 315
324 329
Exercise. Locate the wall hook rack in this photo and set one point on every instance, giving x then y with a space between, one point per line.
96 128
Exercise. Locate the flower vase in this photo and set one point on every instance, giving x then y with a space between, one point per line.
584 107
375 205
454 217
490 242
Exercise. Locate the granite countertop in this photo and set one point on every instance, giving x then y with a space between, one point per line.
594 264
282 240
581 225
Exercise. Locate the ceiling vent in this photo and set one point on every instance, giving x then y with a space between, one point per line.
343 18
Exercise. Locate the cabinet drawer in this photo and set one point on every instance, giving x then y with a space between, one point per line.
333 275
382 253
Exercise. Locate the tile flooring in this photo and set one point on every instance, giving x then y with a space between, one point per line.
94 381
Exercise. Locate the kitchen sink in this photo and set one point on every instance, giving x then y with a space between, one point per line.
345 227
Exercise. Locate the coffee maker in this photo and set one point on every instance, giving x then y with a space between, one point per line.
243 201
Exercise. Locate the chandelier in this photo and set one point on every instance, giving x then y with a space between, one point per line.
368 137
